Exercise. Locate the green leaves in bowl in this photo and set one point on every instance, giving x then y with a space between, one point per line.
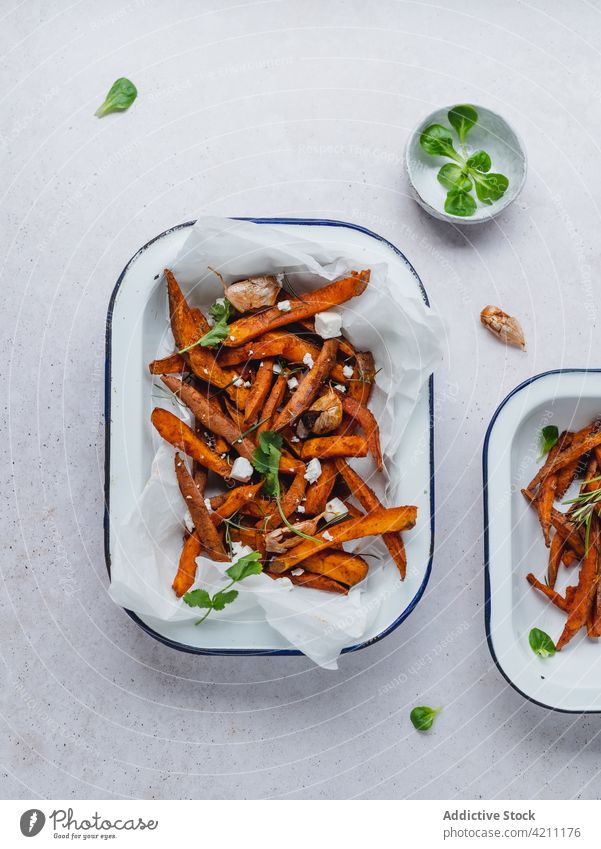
467 172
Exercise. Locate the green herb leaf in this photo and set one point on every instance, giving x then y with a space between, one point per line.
548 438
460 203
490 187
266 460
479 161
438 141
198 598
541 643
422 717
452 177
224 597
220 310
250 564
462 118
121 95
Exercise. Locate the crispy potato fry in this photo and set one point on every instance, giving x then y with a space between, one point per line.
173 364
377 522
249 327
203 526
178 434
313 582
349 569
259 391
280 343
369 501
554 559
585 591
576 450
562 525
319 492
309 387
544 504
234 500
557 599
186 572
274 399
326 447
368 424
361 384
188 326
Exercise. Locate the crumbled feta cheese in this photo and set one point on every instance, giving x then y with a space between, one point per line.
237 381
295 439
242 470
297 572
300 509
247 384
239 550
252 352
313 470
188 521
328 324
335 508
308 360
261 364
327 535
276 368
348 371
292 383
340 387
284 306
208 505
232 338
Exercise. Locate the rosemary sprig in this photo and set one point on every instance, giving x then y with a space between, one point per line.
250 430
582 514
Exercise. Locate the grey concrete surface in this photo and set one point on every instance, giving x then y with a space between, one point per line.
298 109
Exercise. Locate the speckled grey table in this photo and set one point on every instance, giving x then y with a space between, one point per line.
263 108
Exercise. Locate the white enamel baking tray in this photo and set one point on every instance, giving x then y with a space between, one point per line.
570 680
135 325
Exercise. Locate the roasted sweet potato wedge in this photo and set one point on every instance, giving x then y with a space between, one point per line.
309 387
369 501
173 364
249 327
204 528
313 582
178 434
258 392
186 573
375 523
326 447
234 500
349 569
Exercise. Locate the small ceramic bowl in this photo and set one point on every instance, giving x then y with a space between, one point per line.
492 134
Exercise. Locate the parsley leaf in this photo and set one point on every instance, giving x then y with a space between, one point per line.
198 598
248 565
222 598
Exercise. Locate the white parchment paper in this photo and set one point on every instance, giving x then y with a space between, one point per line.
405 337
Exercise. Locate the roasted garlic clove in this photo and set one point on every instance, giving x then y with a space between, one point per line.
325 414
254 292
505 327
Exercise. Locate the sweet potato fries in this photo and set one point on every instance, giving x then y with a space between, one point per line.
573 536
273 412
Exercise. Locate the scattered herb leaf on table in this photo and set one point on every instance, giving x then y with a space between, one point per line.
121 95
